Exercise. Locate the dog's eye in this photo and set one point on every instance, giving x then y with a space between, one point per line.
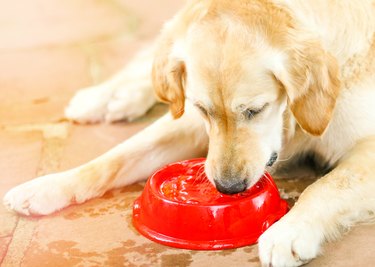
251 113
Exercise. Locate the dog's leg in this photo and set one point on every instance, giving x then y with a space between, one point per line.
128 95
165 141
332 204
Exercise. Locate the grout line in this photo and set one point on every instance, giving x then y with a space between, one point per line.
10 241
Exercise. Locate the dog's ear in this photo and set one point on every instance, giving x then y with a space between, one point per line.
169 71
168 77
310 77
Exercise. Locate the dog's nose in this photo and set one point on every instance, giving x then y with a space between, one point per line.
272 160
230 187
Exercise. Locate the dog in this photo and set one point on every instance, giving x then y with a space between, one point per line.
246 81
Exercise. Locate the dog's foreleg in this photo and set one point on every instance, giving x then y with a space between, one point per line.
332 204
165 141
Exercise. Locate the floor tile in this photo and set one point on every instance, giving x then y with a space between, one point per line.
43 23
36 85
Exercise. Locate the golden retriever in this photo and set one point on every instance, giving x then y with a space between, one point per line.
248 80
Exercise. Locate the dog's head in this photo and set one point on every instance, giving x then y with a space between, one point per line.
243 67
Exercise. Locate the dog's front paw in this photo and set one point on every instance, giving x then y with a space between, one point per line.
289 243
40 196
89 105
130 102
103 103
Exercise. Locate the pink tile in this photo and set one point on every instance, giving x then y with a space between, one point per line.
152 21
36 85
50 23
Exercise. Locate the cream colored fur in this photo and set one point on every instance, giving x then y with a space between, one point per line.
310 64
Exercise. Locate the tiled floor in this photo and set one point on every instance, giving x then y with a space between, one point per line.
48 50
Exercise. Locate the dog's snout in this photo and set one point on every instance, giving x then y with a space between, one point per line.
230 187
272 160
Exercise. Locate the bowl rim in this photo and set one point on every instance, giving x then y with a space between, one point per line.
153 188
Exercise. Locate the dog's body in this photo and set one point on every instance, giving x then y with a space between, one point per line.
288 77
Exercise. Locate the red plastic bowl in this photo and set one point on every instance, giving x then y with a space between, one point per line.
179 207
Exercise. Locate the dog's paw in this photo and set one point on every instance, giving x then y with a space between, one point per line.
89 105
131 102
102 103
40 196
288 243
